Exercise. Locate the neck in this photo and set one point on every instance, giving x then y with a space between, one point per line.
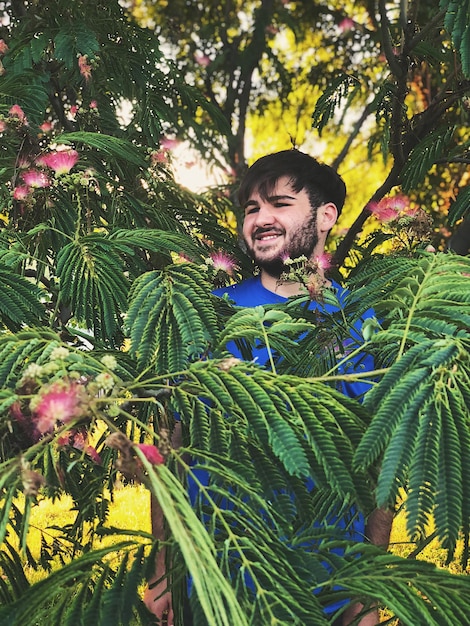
287 288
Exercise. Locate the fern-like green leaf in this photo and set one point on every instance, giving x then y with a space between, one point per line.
115 147
93 284
448 513
456 23
422 472
331 99
415 591
20 301
424 155
82 571
460 207
388 403
171 318
161 240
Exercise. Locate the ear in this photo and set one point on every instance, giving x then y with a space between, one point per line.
327 216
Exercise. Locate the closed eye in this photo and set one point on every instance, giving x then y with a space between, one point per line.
251 209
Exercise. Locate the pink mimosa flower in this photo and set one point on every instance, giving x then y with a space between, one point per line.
384 213
64 439
23 163
84 67
61 401
389 209
39 161
222 261
35 179
17 111
202 59
74 110
93 454
79 440
46 127
93 104
61 162
151 453
25 422
346 24
3 47
159 156
411 211
169 144
3 126
21 193
324 261
271 29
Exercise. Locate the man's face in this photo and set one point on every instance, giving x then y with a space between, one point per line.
280 226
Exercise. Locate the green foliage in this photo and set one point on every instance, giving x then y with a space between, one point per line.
331 100
426 153
171 320
456 22
111 342
459 207
20 301
95 596
420 426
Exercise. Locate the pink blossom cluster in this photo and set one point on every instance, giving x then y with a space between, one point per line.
16 117
220 266
84 67
78 438
128 462
76 109
59 402
410 225
151 453
392 208
221 261
56 403
37 175
161 156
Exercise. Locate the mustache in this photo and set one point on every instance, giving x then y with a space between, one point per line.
260 231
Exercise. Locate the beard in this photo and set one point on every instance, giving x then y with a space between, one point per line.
301 242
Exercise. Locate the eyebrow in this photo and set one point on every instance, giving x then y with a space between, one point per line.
270 199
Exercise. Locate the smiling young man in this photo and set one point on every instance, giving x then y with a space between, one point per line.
290 202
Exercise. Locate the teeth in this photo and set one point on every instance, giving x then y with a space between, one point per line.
267 237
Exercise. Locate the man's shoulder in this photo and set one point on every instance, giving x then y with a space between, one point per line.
248 292
247 285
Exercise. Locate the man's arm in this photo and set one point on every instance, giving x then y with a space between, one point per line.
378 529
157 597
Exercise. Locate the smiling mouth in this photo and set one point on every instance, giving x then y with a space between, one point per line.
266 236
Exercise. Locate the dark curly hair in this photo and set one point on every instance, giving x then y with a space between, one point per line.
321 182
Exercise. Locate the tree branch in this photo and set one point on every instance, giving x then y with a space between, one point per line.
346 243
354 133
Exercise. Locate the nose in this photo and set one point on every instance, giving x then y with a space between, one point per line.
265 215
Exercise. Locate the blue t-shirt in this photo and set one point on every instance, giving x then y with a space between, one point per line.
251 293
